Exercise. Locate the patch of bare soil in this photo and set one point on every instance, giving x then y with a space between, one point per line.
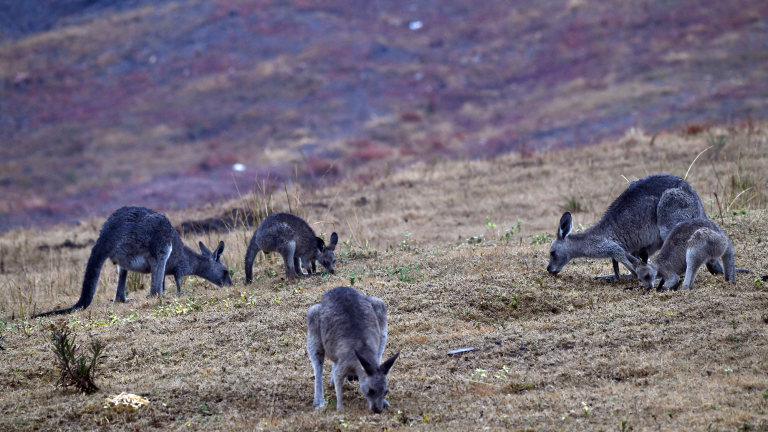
550 353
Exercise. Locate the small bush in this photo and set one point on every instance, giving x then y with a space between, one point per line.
76 370
540 238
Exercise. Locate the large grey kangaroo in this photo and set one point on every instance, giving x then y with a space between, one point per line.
141 240
295 240
640 218
689 245
350 329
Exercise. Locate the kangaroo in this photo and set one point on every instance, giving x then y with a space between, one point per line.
640 218
351 330
141 240
689 245
295 240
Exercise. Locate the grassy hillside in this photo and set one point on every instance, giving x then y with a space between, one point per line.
551 353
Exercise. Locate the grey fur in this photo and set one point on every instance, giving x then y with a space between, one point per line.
351 330
141 240
640 218
293 238
689 245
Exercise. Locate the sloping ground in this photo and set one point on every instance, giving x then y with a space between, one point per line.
106 103
545 347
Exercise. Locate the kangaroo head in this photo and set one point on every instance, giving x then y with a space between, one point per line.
644 270
326 256
374 383
559 251
213 269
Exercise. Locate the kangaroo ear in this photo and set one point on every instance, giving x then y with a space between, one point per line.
204 250
219 251
566 224
334 240
320 244
368 367
387 365
644 255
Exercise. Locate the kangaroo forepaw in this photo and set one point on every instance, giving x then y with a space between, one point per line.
386 404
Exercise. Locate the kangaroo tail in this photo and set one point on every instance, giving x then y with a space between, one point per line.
90 282
250 257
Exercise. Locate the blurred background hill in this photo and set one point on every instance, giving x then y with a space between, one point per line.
170 104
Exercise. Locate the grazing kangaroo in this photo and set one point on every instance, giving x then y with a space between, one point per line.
295 240
689 245
350 328
141 240
640 218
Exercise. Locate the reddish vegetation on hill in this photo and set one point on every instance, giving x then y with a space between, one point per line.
152 102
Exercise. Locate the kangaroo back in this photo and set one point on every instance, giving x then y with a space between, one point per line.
678 205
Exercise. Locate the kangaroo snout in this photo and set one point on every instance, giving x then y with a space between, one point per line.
552 271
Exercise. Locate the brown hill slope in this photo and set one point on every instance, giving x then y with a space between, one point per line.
550 353
152 102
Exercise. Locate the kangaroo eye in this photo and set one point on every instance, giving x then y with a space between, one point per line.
552 254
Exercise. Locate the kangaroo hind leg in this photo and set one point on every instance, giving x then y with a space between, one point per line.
157 267
693 262
122 277
316 352
287 250
729 265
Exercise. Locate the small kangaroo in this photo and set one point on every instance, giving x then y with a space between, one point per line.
294 239
350 328
640 218
141 240
689 245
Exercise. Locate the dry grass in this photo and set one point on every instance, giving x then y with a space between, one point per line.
545 346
